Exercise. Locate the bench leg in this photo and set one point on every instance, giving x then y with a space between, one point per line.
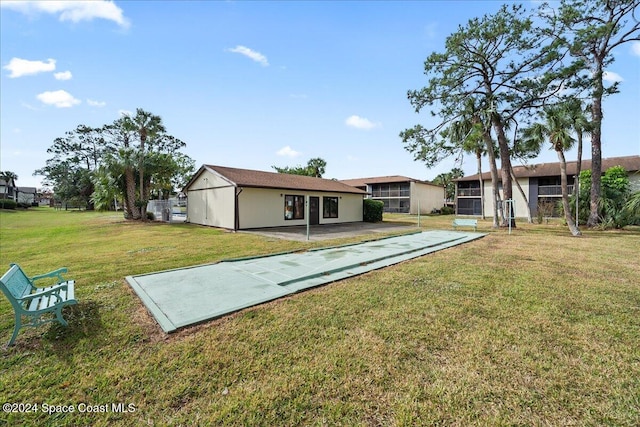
60 318
15 330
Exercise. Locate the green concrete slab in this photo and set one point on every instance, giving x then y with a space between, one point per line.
178 298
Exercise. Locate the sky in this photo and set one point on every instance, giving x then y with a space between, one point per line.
248 84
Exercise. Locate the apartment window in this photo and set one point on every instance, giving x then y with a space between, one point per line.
293 207
330 207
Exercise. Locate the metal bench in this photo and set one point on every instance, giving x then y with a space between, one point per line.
32 302
465 222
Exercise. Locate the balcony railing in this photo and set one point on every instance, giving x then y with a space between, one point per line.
468 192
553 190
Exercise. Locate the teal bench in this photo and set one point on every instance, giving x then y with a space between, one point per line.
31 301
465 222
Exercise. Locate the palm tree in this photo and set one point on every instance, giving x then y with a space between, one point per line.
148 126
556 130
123 154
471 132
316 167
632 207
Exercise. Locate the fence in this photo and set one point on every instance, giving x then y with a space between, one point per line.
172 210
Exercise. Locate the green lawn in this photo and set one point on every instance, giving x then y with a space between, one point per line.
532 328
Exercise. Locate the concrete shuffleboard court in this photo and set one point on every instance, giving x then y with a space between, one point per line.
182 297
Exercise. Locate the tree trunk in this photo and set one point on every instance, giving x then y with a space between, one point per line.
565 195
130 196
143 205
479 159
596 149
494 177
505 162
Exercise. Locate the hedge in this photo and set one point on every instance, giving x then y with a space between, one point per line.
373 210
7 204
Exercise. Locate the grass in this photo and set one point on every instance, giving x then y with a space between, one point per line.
532 328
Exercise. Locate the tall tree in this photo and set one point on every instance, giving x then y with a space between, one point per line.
75 157
556 129
147 126
315 167
494 59
590 30
121 163
88 162
581 126
446 181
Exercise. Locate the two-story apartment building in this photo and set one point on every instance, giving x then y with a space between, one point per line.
540 183
401 194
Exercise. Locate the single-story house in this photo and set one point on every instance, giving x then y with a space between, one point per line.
400 193
239 199
540 182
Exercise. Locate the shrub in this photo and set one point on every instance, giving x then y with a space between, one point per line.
151 216
7 204
372 210
447 210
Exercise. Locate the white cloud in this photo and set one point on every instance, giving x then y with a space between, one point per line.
288 152
635 48
58 98
252 54
93 103
361 123
23 67
63 75
74 11
610 76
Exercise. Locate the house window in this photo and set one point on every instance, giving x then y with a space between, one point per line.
293 207
330 207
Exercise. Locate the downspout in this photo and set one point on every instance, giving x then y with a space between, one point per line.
236 225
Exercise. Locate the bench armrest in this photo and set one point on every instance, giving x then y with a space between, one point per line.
55 273
53 290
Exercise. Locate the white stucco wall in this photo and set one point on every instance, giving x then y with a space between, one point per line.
211 201
429 197
520 203
264 207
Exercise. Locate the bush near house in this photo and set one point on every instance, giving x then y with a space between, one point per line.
372 210
7 204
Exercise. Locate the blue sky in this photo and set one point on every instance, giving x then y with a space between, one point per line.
247 84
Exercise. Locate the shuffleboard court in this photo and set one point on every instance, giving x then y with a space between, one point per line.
182 297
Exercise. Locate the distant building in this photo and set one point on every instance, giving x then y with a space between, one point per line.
541 184
401 194
27 196
8 189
